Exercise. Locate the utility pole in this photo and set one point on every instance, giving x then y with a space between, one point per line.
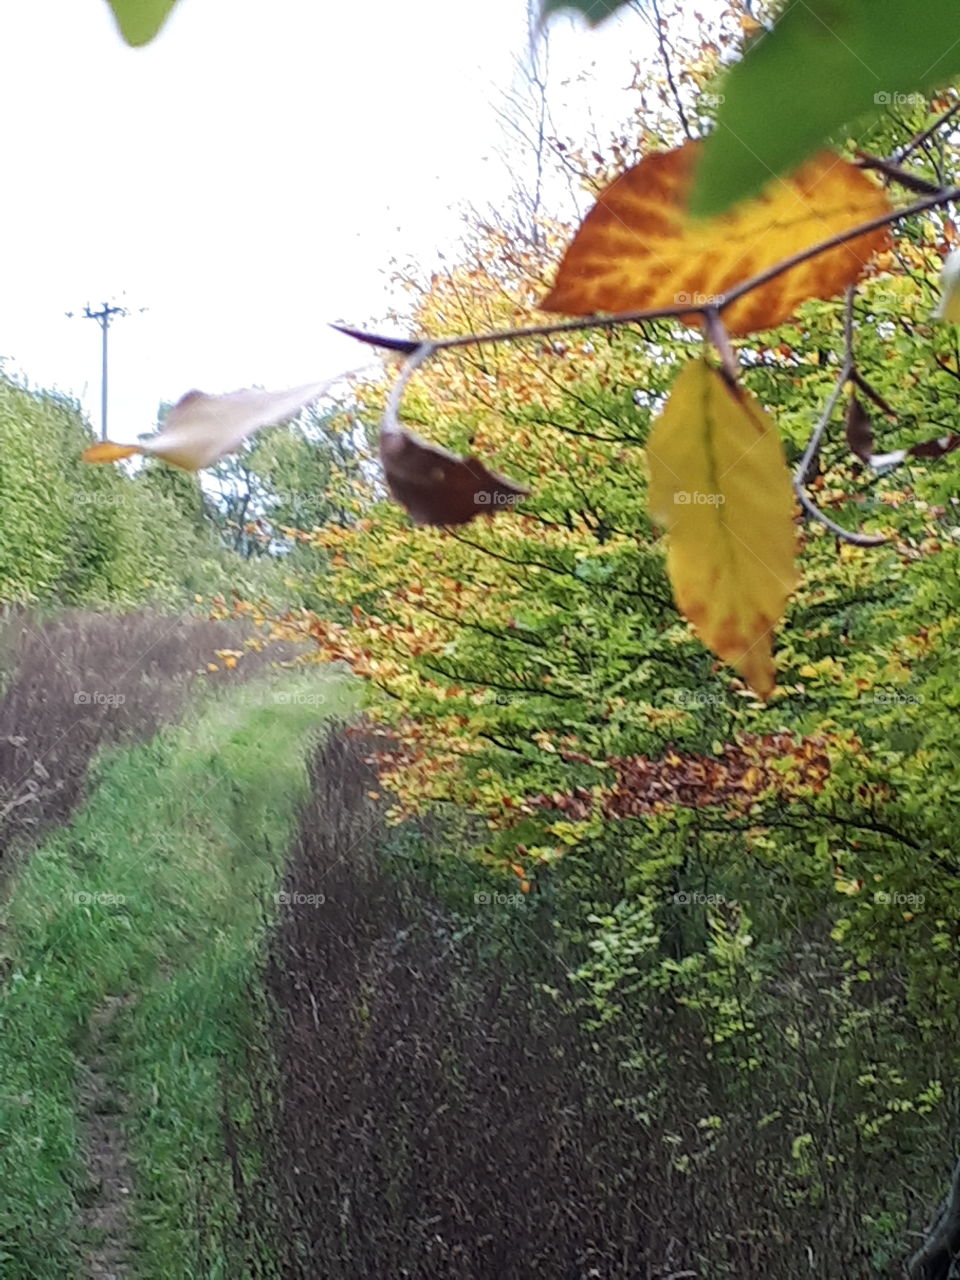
103 318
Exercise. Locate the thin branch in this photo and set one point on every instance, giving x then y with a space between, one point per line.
665 58
847 535
711 314
919 139
934 1258
857 378
422 350
803 468
717 333
833 242
912 182
844 377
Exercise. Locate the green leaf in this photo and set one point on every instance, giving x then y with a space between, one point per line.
140 20
595 11
825 63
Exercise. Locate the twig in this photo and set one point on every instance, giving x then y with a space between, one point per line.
665 58
814 442
391 415
884 220
847 535
711 313
720 304
847 373
920 138
857 378
912 182
933 1259
717 333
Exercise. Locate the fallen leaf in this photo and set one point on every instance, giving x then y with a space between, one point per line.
200 429
639 249
720 486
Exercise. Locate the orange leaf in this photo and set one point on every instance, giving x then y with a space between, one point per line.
638 249
106 451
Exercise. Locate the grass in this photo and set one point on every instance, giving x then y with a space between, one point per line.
185 837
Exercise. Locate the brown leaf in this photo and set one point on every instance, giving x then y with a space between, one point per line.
935 448
861 441
438 487
859 430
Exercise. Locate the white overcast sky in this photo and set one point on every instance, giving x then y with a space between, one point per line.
247 177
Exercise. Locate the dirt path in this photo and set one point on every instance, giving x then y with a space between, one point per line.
104 1216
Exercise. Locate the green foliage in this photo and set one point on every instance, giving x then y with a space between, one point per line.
825 64
77 534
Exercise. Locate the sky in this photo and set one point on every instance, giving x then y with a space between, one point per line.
248 178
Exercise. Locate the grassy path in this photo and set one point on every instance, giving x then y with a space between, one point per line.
129 959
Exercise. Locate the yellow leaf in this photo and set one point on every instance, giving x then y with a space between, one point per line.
638 248
849 887
719 484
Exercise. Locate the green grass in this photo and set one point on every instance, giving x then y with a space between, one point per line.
187 833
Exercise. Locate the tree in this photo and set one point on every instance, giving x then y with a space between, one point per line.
687 839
